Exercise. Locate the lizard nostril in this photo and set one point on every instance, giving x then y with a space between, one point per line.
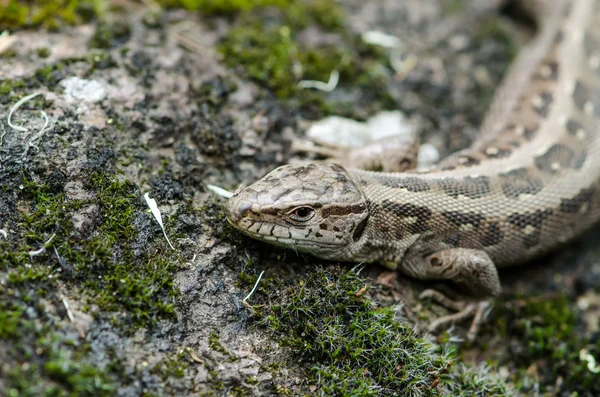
237 209
435 261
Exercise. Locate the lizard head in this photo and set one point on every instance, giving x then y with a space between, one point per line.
313 208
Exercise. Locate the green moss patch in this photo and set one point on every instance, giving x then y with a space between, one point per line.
110 34
351 347
130 287
552 343
117 279
50 14
49 361
221 7
52 365
174 366
273 56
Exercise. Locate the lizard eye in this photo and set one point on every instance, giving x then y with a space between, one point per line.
302 214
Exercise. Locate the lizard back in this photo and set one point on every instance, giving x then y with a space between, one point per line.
530 181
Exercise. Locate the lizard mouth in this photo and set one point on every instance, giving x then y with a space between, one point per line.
295 238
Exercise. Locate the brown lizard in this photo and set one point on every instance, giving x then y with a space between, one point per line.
528 183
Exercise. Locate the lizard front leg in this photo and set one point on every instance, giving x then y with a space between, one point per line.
472 270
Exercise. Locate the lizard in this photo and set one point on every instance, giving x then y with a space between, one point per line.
529 182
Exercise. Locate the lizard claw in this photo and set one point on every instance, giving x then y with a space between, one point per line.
464 309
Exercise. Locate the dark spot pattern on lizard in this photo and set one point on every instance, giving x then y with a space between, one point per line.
471 187
559 156
407 210
581 201
493 236
541 104
534 220
463 218
517 182
411 183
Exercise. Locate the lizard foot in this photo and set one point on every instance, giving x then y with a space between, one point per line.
464 309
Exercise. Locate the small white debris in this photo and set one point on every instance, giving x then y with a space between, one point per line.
16 107
491 151
403 62
43 249
334 78
583 303
588 107
219 191
333 130
459 42
82 90
429 156
66 305
37 136
156 212
4 233
6 41
244 301
585 355
381 39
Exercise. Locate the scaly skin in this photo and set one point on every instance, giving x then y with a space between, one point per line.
529 183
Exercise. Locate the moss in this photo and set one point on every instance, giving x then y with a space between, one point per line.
13 14
11 258
50 14
8 88
49 363
454 7
547 332
222 7
50 75
349 346
272 56
131 288
174 365
247 46
215 344
109 35
43 52
298 13
82 378
11 321
115 278
480 380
